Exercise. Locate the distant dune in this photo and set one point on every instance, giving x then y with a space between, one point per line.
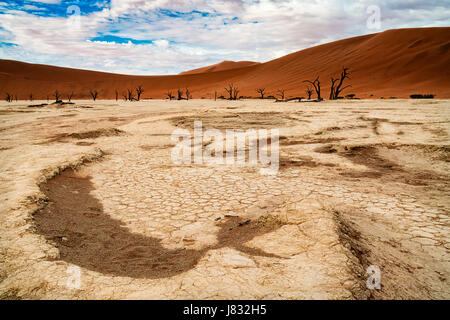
224 65
394 63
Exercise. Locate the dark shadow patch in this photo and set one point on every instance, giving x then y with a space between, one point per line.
325 149
92 134
158 147
109 132
286 163
75 223
368 156
292 141
244 121
380 167
84 143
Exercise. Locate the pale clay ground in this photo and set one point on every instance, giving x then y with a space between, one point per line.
338 216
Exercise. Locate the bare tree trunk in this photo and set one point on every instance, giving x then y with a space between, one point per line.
281 94
309 92
139 91
94 94
339 88
333 83
230 90
261 92
316 85
130 95
169 95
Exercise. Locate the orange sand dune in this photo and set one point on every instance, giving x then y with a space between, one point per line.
391 63
224 65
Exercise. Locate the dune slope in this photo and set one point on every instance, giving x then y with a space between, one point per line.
224 65
387 64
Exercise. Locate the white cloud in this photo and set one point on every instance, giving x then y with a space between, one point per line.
32 7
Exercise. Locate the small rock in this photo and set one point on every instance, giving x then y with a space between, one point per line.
244 223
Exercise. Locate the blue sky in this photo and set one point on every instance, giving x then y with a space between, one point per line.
170 36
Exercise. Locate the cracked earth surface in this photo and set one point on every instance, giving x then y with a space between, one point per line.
360 183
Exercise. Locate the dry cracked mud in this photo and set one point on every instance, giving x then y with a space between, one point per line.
95 189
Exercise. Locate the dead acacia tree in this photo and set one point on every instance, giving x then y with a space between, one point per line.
31 97
117 94
179 94
188 94
130 94
139 91
281 93
69 96
230 90
339 88
333 83
9 97
309 92
94 94
215 95
261 91
124 96
56 95
233 91
316 85
169 95
236 93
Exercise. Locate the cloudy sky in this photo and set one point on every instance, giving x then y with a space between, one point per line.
170 36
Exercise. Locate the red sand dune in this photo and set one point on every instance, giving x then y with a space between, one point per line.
391 63
224 65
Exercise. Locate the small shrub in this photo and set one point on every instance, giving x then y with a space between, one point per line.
422 96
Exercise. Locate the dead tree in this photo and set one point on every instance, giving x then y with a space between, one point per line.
130 95
261 91
309 92
117 94
333 83
188 94
69 96
281 93
236 93
31 97
9 97
124 96
169 95
215 95
94 94
139 91
339 88
230 90
56 95
233 91
179 94
316 85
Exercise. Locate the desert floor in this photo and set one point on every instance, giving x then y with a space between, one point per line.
91 188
